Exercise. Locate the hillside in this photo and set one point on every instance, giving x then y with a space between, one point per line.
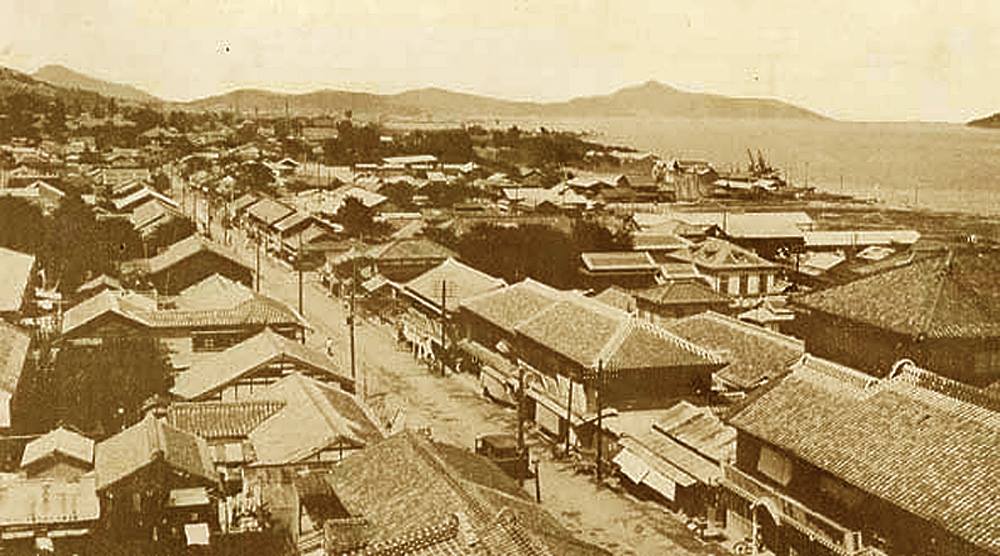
651 99
14 82
992 121
67 78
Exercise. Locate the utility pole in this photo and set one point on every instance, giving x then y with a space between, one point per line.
569 413
444 317
350 325
520 410
600 411
298 265
257 282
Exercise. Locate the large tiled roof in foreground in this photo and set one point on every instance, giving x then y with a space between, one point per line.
919 441
407 486
508 306
953 294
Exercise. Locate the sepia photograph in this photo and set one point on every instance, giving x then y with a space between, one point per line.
499 278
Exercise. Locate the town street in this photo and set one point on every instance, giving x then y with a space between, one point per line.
455 411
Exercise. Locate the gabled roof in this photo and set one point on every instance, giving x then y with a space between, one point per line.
754 354
410 248
612 261
208 375
681 292
408 484
140 194
213 292
219 420
150 212
916 440
954 294
15 274
59 441
586 331
244 202
618 298
102 280
128 306
147 442
752 225
460 282
269 211
513 304
184 249
719 254
292 220
316 416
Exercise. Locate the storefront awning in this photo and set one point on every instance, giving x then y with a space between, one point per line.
631 466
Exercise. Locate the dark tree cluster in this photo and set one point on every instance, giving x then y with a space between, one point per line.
535 251
71 244
96 389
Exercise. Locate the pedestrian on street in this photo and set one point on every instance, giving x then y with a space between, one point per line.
329 346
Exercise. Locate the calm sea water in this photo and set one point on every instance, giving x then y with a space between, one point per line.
946 167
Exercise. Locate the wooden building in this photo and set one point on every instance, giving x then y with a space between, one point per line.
59 454
251 366
154 479
834 461
941 311
188 262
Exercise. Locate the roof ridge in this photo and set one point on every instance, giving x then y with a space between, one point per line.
907 372
755 328
680 341
933 302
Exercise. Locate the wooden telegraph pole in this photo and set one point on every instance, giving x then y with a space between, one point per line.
350 326
521 451
600 411
444 318
257 282
569 413
298 264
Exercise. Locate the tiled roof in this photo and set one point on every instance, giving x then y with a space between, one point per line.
102 280
754 354
149 213
954 294
184 249
215 420
258 311
588 331
510 305
244 202
618 298
291 221
14 345
143 193
699 429
59 441
316 416
904 439
131 307
460 280
140 445
15 273
642 241
618 260
681 292
407 483
214 292
719 254
206 376
411 248
269 211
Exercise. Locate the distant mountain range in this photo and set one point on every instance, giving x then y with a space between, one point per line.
651 99
991 121
64 77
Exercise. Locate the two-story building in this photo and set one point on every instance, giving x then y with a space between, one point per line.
835 461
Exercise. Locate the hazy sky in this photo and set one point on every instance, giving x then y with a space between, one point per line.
868 59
